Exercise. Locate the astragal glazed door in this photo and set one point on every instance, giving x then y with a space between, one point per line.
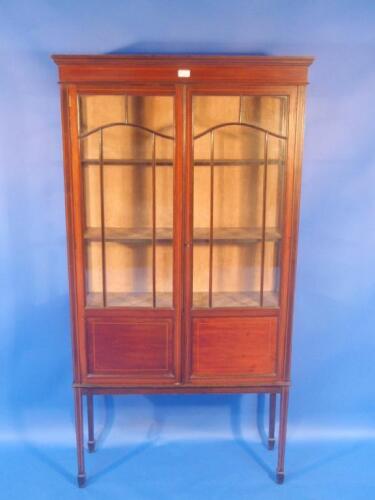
130 173
239 157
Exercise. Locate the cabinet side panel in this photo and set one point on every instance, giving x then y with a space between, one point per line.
66 139
299 137
76 196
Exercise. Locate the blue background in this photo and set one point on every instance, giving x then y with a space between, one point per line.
191 447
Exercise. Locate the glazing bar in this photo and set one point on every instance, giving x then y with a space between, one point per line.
212 148
102 220
169 163
126 109
264 217
280 194
227 124
153 222
124 124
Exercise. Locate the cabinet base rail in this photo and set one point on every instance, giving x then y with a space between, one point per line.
89 392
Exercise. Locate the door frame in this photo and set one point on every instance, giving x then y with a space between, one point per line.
75 225
286 264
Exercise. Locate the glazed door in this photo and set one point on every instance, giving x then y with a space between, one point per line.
131 253
238 143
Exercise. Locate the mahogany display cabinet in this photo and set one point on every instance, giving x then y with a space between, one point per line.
182 185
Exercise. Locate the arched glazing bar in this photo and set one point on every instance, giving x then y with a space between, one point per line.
239 124
126 124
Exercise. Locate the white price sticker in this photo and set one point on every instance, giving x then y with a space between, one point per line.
183 73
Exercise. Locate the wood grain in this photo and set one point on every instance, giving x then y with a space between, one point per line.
255 69
130 346
234 347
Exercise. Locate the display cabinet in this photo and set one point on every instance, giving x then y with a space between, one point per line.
182 179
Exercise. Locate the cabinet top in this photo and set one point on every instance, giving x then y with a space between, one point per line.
133 68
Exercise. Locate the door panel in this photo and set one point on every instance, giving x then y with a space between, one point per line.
238 168
130 190
234 347
133 346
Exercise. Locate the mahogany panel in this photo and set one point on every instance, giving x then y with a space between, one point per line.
234 347
130 346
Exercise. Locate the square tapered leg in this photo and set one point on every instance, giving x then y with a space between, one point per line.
282 434
90 421
271 428
79 437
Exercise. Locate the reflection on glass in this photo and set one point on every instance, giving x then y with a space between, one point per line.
239 163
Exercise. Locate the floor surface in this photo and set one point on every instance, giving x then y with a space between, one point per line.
194 470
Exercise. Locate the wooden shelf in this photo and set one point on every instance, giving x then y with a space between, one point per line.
169 163
200 299
236 235
163 299
129 161
235 299
134 236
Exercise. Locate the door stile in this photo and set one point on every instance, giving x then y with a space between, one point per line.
188 254
178 223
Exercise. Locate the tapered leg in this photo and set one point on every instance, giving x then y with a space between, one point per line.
90 418
271 428
282 434
79 437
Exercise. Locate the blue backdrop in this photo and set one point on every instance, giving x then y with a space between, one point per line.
191 447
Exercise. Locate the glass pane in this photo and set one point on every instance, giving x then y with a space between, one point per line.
239 163
267 112
127 156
